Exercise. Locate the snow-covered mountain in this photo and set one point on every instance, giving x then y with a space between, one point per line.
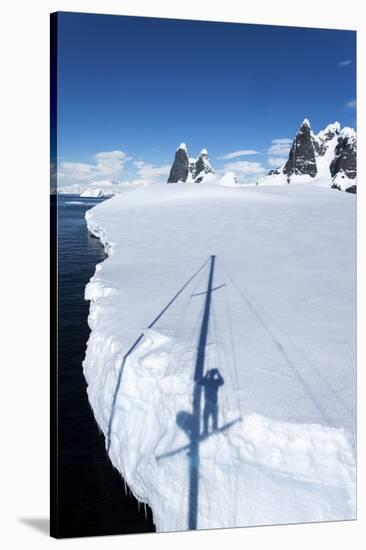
103 188
301 158
188 169
328 158
344 163
201 167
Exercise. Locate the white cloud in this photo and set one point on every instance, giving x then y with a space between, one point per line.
245 171
344 63
278 152
151 173
111 162
107 165
236 154
244 167
280 147
276 162
351 104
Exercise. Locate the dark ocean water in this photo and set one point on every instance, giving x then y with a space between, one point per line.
91 495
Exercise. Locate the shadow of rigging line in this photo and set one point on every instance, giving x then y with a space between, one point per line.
202 438
326 382
281 349
135 344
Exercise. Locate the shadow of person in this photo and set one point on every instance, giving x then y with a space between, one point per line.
211 383
190 424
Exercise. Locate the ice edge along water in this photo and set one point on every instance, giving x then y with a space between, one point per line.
280 464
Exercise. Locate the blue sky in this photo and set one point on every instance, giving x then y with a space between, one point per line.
131 89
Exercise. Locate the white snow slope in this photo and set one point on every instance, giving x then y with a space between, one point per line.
282 334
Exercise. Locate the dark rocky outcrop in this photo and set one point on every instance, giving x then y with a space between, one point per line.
202 167
321 141
274 172
301 159
180 167
190 169
336 186
345 158
352 189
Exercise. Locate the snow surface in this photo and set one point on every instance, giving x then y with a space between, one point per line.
282 334
229 178
333 128
349 133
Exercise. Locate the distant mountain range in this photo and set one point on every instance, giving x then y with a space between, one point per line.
328 158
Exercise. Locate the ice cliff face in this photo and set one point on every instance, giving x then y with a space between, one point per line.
327 158
186 169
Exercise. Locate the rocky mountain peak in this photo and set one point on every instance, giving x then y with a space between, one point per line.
180 167
330 131
188 168
202 167
324 137
301 159
349 134
329 155
344 163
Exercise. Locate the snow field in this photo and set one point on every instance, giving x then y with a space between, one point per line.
282 335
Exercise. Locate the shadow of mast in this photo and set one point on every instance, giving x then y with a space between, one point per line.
191 423
194 452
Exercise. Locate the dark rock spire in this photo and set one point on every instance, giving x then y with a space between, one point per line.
179 169
345 155
301 159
